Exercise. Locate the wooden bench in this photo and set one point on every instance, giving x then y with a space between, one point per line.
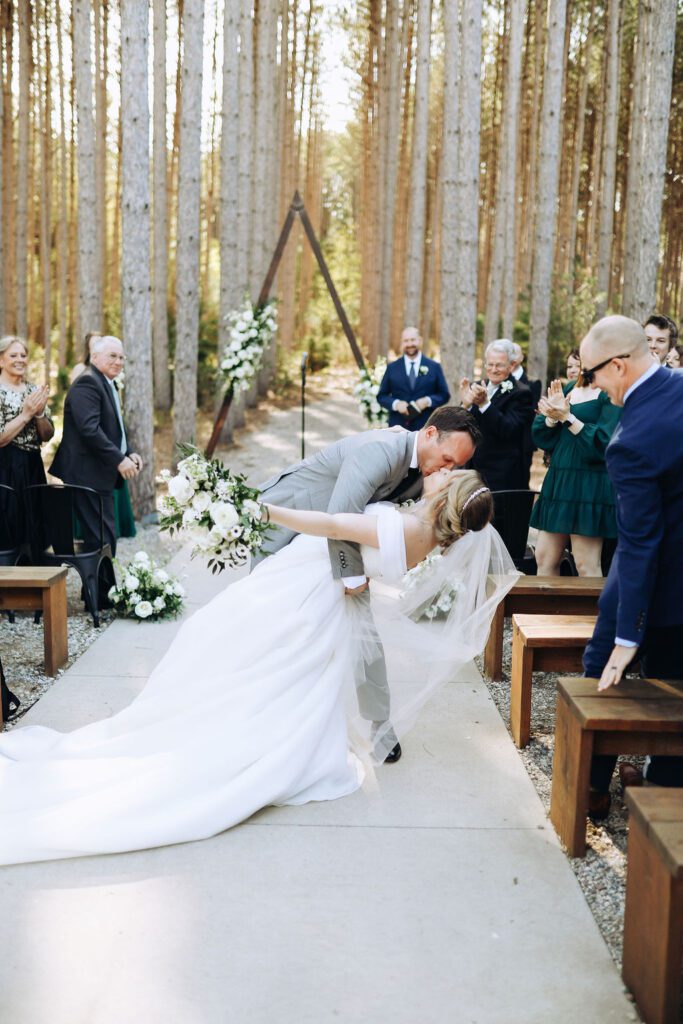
653 920
542 643
36 588
639 716
540 595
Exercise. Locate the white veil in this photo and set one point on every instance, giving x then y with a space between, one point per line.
431 624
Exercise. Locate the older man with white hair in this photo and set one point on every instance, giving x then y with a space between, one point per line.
503 409
640 608
94 451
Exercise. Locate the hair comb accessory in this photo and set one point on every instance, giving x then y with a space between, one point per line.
479 490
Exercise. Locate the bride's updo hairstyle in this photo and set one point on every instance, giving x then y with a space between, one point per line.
461 505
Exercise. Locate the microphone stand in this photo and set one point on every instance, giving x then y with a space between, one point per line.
304 360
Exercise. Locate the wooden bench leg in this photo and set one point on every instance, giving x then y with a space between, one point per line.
653 931
493 652
571 778
54 626
520 689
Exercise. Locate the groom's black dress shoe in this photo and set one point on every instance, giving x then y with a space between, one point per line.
394 755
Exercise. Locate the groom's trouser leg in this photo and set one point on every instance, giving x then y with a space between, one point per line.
374 700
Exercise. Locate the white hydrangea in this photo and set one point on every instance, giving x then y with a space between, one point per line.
181 489
224 515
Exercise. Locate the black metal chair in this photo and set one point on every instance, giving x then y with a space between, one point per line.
51 512
12 546
512 511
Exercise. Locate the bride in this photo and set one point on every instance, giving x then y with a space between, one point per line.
271 665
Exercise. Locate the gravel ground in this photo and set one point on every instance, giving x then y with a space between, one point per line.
602 872
21 642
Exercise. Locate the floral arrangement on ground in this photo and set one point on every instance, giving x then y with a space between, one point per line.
146 591
251 330
217 507
366 391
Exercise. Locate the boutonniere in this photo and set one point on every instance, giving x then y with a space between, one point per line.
424 370
506 386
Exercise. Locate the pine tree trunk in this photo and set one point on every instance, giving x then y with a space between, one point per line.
501 288
546 205
21 239
189 193
162 373
578 155
457 352
89 262
649 137
99 6
418 169
2 189
62 236
9 174
392 58
609 157
46 192
467 234
246 129
136 313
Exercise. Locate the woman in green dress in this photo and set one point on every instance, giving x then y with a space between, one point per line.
576 502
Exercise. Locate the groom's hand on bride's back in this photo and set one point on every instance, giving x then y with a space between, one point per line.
354 591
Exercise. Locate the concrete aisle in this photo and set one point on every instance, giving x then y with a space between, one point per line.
443 899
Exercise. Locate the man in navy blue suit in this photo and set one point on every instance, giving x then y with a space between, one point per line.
412 387
641 608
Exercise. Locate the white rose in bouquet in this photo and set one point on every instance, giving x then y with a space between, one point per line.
131 582
178 590
160 576
224 515
253 509
141 558
190 516
143 609
216 537
180 488
201 502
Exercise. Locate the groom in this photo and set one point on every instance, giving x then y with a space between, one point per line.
377 465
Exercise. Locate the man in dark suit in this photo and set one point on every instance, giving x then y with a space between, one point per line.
94 450
519 373
503 409
640 608
412 387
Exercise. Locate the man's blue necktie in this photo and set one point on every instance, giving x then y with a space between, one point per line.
412 376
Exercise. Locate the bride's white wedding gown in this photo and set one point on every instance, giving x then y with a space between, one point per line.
245 710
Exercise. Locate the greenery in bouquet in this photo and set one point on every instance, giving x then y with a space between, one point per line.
146 591
251 329
217 507
440 606
366 391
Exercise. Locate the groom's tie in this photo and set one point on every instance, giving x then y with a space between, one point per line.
405 484
412 376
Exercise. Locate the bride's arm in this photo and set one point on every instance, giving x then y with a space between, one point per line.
351 526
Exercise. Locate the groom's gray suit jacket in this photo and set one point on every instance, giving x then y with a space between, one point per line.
345 477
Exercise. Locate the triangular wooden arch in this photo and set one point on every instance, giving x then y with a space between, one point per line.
297 209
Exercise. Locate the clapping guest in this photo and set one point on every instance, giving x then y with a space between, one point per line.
25 421
94 451
573 370
503 409
575 423
124 518
662 335
674 357
519 373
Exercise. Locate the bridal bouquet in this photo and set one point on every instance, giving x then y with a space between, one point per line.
366 392
441 605
146 591
251 331
216 506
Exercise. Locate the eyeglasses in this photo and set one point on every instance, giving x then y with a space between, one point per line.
587 376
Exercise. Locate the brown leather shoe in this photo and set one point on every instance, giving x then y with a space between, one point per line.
598 805
629 775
